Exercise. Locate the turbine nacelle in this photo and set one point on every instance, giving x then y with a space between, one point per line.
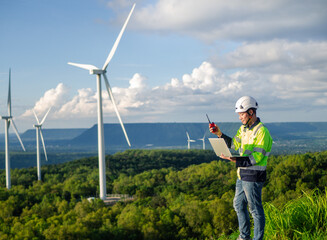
6 117
97 71
92 69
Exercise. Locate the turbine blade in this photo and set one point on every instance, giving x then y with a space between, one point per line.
114 48
17 134
37 119
188 136
115 107
9 94
84 66
45 151
45 116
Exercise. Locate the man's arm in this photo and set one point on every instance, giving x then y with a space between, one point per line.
227 139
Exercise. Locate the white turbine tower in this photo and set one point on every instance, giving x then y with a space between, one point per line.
38 127
9 119
203 141
189 140
98 72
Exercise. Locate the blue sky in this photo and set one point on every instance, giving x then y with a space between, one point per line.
177 59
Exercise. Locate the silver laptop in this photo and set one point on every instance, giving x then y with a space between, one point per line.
220 147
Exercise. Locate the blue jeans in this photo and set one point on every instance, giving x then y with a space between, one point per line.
249 193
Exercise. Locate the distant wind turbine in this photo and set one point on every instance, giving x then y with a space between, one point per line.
189 140
38 127
9 119
98 72
203 140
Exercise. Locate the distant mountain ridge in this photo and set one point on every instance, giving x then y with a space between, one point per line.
150 134
54 133
289 137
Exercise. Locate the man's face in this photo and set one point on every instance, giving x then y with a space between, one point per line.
244 117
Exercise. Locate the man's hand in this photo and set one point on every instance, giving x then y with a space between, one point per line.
232 159
215 129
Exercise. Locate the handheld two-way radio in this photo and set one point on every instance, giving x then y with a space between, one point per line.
212 125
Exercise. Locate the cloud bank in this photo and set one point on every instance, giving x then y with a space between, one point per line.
282 75
237 20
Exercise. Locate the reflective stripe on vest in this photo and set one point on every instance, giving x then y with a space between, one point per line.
256 167
259 150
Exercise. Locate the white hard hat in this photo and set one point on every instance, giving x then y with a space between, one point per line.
245 103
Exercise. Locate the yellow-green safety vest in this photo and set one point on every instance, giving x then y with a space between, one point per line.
254 142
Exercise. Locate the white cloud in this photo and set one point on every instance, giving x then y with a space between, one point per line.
141 101
130 98
82 105
202 77
276 53
137 82
53 98
289 70
211 20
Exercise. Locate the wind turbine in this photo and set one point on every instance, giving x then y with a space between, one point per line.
203 141
189 140
98 72
9 119
38 127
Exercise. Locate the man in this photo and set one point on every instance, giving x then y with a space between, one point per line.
253 141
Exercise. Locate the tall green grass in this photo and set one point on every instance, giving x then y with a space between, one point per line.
303 219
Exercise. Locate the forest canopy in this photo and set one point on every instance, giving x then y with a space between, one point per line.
177 194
